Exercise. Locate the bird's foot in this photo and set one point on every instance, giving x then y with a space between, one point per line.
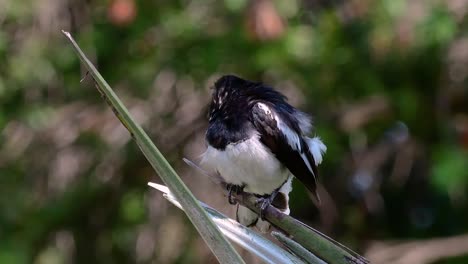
233 189
264 202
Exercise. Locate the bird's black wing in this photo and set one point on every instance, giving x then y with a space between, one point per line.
286 143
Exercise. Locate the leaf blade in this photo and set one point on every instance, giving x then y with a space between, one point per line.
241 235
219 245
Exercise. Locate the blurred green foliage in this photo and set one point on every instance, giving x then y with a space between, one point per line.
386 82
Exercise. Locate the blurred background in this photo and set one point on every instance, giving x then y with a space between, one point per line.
386 82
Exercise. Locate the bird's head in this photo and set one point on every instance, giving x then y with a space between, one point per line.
229 86
229 95
233 96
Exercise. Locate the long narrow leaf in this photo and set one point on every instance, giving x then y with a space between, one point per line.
297 249
316 242
241 235
219 245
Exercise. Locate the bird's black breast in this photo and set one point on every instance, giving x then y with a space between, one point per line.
220 133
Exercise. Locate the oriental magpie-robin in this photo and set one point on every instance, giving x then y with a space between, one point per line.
257 142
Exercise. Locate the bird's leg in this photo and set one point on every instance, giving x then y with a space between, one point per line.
265 201
232 188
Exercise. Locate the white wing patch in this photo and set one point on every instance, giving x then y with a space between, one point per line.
315 145
317 148
265 108
306 161
291 136
304 121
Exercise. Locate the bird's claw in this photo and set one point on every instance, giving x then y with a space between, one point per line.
264 203
232 188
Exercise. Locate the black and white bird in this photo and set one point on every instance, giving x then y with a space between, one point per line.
257 142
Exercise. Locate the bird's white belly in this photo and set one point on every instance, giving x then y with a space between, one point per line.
247 163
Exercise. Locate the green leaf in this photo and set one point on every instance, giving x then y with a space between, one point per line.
239 234
310 239
219 245
297 249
